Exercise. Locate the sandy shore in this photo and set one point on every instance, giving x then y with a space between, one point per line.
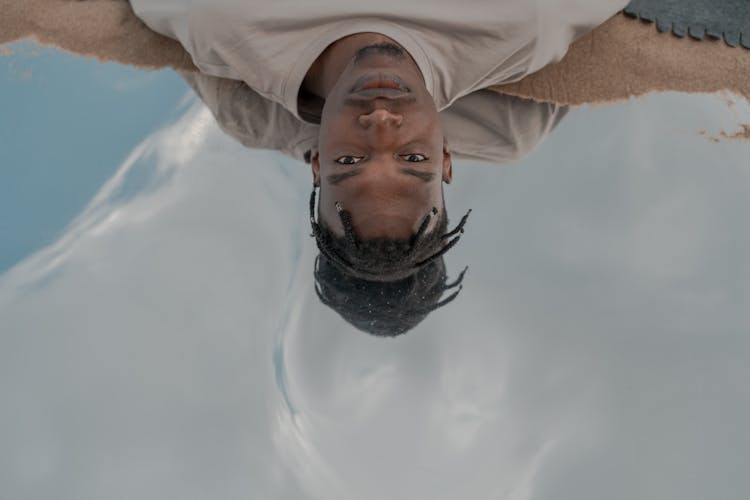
619 59
105 29
625 57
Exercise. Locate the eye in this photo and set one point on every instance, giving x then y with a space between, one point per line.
414 158
349 160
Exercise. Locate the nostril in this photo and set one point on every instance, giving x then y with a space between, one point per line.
365 121
381 117
385 117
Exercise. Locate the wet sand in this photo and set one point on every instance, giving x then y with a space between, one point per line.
621 58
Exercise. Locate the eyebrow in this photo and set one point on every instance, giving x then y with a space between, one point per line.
336 178
425 176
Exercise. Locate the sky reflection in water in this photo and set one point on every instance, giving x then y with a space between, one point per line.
170 343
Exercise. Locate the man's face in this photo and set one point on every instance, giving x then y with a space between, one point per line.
381 153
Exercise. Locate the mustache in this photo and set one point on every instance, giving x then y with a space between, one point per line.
383 49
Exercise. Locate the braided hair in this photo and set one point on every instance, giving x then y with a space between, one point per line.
384 259
381 308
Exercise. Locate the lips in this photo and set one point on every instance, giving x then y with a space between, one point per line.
368 82
380 84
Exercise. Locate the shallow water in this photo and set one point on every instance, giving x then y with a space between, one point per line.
169 341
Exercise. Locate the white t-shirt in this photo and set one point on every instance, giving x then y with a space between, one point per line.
484 125
459 45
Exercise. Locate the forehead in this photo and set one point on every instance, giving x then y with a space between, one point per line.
375 216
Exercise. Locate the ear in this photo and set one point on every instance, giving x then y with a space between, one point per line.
447 162
315 165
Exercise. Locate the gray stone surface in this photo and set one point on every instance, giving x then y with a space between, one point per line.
727 19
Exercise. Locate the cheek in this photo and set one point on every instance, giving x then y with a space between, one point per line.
334 123
329 140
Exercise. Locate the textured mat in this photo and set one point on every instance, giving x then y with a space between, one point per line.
727 19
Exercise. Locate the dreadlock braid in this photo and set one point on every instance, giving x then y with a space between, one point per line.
384 308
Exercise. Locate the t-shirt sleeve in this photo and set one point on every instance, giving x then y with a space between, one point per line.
251 119
196 24
493 127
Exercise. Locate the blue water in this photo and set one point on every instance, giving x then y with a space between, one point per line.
160 336
67 123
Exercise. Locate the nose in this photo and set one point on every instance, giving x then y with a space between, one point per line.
381 118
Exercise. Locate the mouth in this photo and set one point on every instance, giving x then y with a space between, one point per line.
380 82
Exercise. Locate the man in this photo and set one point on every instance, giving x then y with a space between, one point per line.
483 126
376 75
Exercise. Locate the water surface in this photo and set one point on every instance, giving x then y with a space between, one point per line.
169 342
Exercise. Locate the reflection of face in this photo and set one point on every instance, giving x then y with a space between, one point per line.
381 153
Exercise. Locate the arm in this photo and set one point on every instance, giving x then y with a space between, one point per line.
251 119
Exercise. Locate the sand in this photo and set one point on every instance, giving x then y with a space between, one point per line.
105 29
743 134
621 58
624 57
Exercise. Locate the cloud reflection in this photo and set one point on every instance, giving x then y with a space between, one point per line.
171 343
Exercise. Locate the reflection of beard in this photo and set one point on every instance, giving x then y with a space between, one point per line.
383 49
